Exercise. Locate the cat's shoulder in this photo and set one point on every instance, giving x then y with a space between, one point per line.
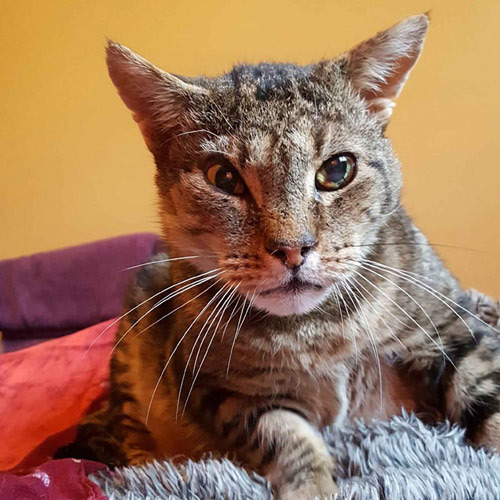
151 278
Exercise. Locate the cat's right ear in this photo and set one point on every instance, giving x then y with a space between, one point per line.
158 100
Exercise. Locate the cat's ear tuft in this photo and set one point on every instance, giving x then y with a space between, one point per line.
379 67
158 100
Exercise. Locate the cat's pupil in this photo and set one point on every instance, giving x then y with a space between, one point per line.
338 170
226 180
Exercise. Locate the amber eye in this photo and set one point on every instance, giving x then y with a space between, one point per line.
336 172
224 176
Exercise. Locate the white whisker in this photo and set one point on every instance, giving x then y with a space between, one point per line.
376 300
349 318
371 340
166 260
426 288
336 293
142 303
419 326
213 316
430 290
173 352
192 285
178 307
221 315
233 313
222 290
238 328
162 301
225 153
413 300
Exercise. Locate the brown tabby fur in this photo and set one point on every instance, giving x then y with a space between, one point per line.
226 366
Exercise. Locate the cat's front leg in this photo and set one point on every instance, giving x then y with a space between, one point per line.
281 445
300 467
473 391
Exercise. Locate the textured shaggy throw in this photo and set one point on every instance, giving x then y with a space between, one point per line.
395 460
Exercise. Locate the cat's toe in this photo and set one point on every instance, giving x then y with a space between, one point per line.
322 488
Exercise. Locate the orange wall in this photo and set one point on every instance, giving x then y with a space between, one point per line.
73 167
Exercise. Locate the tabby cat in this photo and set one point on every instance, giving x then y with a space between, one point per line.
297 292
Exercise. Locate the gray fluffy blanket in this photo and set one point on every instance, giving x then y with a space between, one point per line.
395 460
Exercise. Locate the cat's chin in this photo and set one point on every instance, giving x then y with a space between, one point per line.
290 303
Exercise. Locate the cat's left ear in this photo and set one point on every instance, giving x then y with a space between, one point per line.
379 67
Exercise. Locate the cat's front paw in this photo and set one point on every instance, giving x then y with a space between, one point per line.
139 457
320 486
489 435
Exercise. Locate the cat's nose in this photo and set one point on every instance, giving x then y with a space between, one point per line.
292 254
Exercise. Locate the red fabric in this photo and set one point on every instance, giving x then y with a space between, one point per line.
56 480
45 390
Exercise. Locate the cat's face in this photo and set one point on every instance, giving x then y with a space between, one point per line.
275 174
249 192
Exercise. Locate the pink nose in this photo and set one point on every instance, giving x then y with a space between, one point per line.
293 255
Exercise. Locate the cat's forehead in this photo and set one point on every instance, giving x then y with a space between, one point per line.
267 81
282 108
273 97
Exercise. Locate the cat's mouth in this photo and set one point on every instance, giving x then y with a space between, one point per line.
295 285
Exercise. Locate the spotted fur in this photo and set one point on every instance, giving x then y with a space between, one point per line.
224 364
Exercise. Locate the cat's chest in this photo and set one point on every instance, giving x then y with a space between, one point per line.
311 383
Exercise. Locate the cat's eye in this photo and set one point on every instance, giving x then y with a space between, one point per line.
336 172
223 175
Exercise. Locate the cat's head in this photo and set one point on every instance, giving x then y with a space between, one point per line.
274 173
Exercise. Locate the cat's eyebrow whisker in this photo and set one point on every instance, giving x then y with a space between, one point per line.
189 132
161 302
196 132
174 350
417 324
429 289
142 303
219 109
221 315
224 153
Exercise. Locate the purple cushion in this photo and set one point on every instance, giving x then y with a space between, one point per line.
54 293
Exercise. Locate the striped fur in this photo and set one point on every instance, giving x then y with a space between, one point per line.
224 366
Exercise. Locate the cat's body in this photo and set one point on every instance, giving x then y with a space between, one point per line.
289 304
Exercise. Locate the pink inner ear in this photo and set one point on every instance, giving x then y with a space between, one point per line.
157 99
380 66
391 85
145 130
